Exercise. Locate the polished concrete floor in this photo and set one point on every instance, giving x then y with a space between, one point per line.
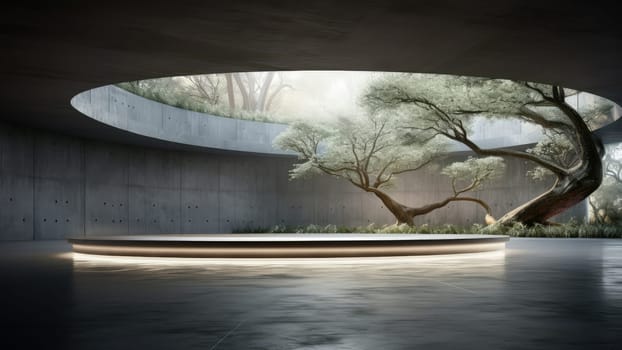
539 294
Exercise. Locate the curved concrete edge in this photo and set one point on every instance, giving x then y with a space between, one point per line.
238 246
121 109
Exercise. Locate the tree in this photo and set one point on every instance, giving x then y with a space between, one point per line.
256 89
368 152
606 202
556 148
204 88
445 105
230 93
475 172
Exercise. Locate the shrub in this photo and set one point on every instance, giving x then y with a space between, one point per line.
569 230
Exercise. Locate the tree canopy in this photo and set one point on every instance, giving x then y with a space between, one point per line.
445 106
369 152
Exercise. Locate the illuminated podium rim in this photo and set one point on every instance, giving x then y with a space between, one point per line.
286 245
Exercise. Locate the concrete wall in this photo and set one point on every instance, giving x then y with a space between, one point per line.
121 109
53 186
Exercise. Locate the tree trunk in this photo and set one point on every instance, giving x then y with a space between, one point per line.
242 89
570 189
264 91
398 210
252 85
406 215
230 91
564 194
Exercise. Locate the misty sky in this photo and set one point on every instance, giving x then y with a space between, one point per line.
321 94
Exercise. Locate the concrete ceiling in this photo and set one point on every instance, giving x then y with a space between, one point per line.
54 51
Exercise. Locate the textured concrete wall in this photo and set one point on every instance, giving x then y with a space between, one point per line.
121 109
53 186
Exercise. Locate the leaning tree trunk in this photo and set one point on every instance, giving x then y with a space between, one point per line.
564 194
398 210
406 215
569 189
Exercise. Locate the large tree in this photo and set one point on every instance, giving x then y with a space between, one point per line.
257 90
369 153
446 105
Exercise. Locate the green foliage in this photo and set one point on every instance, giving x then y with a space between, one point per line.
572 229
448 104
172 92
596 111
556 148
606 202
459 97
366 150
568 230
255 229
476 170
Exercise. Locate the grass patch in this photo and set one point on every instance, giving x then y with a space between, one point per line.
184 101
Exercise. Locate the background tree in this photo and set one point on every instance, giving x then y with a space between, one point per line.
606 202
257 90
446 105
206 88
230 92
369 153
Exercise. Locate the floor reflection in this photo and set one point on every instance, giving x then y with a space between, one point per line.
290 303
612 271
540 293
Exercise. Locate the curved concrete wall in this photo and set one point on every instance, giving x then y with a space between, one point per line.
53 186
119 108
